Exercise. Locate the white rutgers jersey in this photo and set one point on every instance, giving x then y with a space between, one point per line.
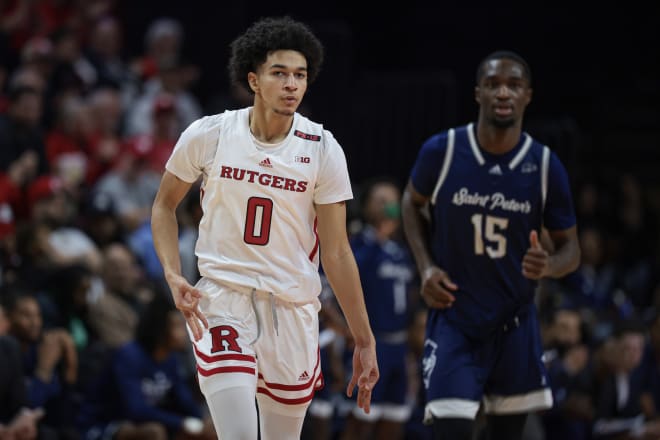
259 224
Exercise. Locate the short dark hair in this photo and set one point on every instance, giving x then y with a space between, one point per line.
153 326
508 55
250 49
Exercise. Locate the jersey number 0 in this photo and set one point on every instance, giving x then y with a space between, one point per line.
257 221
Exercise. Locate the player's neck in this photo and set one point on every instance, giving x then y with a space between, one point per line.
268 126
496 140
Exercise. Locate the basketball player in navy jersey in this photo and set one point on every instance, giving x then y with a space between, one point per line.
274 186
477 200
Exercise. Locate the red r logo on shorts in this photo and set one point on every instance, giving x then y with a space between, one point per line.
223 337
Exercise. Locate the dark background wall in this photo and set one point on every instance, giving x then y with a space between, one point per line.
394 74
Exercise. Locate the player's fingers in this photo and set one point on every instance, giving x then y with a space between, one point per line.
442 295
201 317
449 284
351 385
534 239
436 303
193 323
364 400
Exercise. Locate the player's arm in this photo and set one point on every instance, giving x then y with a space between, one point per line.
342 273
436 284
165 231
563 256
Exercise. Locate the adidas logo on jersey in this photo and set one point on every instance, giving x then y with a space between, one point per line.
266 163
303 376
495 170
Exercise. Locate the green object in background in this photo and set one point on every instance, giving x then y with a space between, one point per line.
78 333
392 210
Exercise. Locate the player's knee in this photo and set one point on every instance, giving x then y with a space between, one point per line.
450 428
506 426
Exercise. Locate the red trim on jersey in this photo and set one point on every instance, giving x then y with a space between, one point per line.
316 245
298 387
218 370
297 401
224 357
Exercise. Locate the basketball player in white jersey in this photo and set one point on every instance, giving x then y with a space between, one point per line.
274 186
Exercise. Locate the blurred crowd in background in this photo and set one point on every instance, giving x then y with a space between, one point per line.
89 341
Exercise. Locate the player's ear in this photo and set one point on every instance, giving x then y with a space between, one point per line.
253 81
476 94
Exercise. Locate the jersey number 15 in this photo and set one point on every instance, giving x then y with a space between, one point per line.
490 230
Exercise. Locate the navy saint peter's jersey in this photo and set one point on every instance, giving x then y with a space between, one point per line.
483 208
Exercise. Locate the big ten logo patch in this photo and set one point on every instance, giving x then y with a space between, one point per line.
303 159
223 338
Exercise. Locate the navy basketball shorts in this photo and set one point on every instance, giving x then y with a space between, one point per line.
504 372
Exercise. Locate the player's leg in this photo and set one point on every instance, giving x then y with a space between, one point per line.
226 360
360 425
393 404
505 426
234 413
289 366
276 426
518 382
454 370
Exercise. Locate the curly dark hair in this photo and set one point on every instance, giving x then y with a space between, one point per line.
250 49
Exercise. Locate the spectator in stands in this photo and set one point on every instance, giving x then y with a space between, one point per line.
53 204
132 185
104 51
20 133
50 363
17 421
620 388
171 79
113 312
568 361
143 394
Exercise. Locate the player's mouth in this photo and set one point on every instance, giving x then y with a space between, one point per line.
290 100
503 110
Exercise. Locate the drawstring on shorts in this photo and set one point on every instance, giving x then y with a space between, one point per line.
273 310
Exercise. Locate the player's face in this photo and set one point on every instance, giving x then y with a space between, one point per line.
503 93
383 204
26 320
280 83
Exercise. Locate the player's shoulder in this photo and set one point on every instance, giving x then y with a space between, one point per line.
438 141
214 122
314 134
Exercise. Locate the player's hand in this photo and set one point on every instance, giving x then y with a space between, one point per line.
536 260
365 375
186 299
24 425
437 288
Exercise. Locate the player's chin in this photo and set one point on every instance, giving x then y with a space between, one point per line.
288 110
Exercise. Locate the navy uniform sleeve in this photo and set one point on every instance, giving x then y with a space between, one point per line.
428 164
559 213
